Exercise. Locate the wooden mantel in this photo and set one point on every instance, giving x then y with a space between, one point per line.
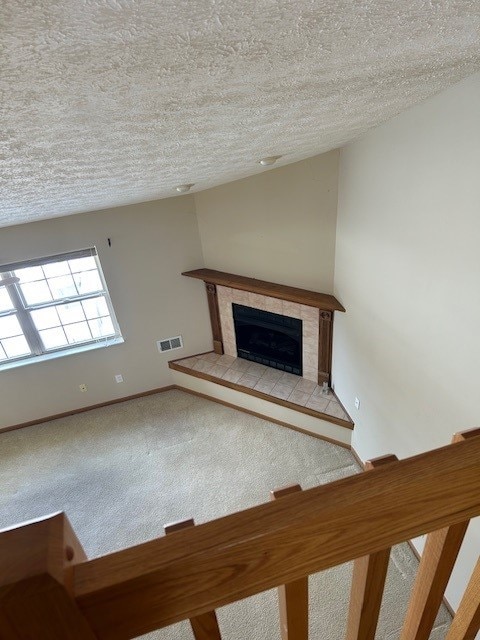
292 294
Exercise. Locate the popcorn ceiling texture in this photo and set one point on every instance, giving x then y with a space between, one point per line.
109 102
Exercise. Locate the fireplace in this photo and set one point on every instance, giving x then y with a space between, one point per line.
308 354
268 338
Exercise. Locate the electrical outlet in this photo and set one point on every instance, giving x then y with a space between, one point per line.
357 403
119 378
82 387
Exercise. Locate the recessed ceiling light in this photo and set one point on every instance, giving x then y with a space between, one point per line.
183 188
265 162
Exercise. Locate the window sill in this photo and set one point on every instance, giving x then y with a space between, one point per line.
61 354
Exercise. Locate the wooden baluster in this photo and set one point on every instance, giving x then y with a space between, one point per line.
204 626
292 597
466 622
436 565
35 602
368 582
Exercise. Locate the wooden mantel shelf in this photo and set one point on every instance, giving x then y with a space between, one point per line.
292 294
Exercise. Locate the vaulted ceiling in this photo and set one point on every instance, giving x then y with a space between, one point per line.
109 102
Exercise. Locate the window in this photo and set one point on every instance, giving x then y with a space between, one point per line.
54 306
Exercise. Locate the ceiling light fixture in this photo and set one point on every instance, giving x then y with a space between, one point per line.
266 162
183 188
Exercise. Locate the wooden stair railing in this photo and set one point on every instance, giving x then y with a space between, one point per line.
48 590
292 597
204 626
436 565
368 582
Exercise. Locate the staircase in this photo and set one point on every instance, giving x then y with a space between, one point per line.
50 590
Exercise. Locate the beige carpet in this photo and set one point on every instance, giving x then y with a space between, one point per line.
122 471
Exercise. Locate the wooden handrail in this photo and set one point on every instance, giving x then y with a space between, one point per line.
436 564
155 584
368 582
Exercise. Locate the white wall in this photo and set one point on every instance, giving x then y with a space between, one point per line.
408 272
278 225
152 244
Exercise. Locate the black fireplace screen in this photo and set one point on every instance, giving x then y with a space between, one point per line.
268 338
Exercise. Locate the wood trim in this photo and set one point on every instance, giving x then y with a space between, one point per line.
160 582
73 412
263 417
214 317
414 550
292 597
360 462
325 338
292 294
466 623
368 582
436 564
37 559
204 626
174 364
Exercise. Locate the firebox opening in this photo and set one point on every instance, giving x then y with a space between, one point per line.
268 338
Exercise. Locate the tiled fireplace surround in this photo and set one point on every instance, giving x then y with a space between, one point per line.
222 366
309 316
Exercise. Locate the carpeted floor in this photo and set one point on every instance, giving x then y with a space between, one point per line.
121 472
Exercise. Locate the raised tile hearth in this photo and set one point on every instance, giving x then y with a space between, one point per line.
271 384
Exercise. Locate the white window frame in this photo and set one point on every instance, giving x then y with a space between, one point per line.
22 310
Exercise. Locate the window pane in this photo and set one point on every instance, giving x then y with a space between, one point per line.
78 332
5 302
16 347
71 312
62 287
29 273
101 327
45 318
56 269
9 326
3 355
36 292
82 264
95 307
53 338
88 282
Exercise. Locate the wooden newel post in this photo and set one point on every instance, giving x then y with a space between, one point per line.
436 565
368 582
204 626
292 597
35 572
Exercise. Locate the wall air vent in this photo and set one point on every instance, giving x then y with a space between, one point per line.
169 344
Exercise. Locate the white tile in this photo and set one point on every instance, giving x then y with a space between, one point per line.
210 357
232 375
309 313
289 380
226 360
265 386
248 381
299 397
203 366
318 403
272 374
307 386
281 391
334 409
240 364
188 362
218 370
256 369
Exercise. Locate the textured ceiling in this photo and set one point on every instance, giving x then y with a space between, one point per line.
108 102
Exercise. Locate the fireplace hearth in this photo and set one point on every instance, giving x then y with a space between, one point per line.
268 338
